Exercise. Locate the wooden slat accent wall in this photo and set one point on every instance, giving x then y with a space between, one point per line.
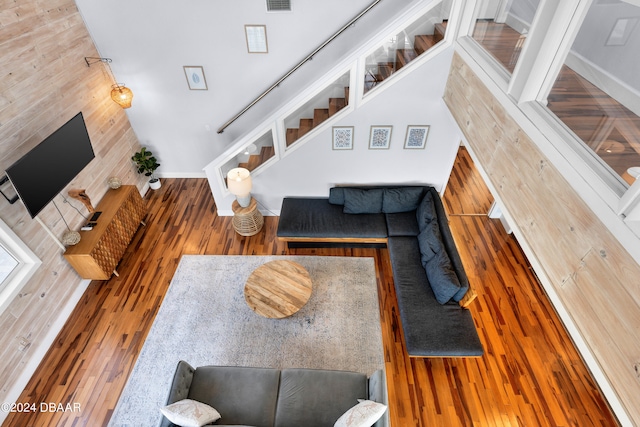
594 277
44 81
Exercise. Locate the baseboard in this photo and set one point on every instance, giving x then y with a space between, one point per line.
517 24
43 347
264 212
182 175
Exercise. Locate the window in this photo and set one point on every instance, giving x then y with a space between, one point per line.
597 92
501 28
17 265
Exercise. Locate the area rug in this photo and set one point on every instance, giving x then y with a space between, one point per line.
204 320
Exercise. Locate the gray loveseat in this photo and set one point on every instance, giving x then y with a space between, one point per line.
264 397
431 285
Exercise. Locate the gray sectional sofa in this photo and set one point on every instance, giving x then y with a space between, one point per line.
431 285
264 397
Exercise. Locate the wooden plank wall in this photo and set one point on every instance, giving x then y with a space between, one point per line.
594 277
44 81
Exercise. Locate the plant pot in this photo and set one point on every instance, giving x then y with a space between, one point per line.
154 184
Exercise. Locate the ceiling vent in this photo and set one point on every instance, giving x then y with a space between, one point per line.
278 5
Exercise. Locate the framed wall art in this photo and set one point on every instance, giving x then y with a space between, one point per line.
416 137
256 36
195 77
342 137
380 137
621 31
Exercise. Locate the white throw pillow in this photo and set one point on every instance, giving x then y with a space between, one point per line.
190 413
364 414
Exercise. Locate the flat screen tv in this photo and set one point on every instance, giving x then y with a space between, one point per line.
44 171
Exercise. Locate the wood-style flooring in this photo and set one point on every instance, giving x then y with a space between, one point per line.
530 375
607 127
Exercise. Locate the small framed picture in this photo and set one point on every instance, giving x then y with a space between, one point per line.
256 38
195 77
416 137
342 137
621 31
380 137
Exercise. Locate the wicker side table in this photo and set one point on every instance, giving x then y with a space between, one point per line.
247 221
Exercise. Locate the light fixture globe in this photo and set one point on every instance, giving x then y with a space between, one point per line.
121 95
239 184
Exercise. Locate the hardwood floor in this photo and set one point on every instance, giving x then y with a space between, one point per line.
530 374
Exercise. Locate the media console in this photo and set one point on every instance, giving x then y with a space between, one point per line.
100 250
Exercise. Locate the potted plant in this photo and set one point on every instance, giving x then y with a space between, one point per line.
147 164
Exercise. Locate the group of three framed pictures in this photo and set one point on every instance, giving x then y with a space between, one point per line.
380 137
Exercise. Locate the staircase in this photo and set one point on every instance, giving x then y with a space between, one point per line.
421 44
319 116
327 98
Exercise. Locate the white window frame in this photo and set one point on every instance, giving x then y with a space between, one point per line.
28 263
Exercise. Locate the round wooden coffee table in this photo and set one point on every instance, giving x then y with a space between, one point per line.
278 289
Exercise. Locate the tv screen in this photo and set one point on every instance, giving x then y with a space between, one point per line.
44 171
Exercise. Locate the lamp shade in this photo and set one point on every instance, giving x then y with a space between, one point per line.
239 182
121 95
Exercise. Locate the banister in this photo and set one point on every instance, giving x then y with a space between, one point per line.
300 64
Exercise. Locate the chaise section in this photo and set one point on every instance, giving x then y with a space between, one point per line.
430 329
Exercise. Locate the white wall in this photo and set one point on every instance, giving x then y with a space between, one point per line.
151 40
310 170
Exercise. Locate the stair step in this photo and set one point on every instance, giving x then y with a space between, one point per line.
291 136
423 42
346 95
385 69
254 162
438 32
305 126
266 153
404 56
320 115
243 165
336 104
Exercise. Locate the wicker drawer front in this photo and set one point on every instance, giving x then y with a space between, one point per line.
110 248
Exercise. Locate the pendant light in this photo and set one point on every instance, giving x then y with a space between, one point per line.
120 94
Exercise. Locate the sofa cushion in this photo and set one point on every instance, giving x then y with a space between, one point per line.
310 397
430 242
402 199
315 217
231 390
402 224
359 201
426 211
190 413
336 196
364 414
442 277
